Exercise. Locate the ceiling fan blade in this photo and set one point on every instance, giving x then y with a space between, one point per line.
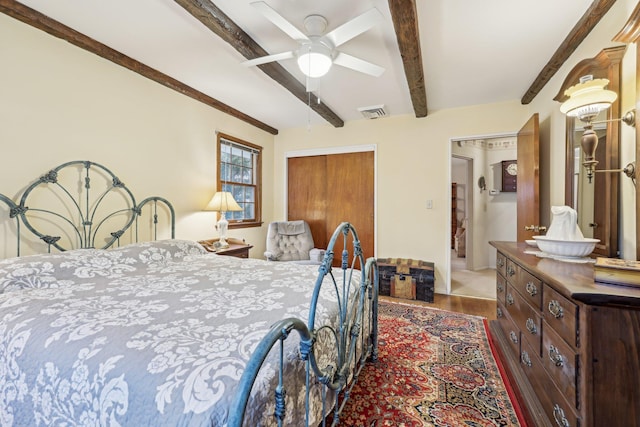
358 64
269 58
313 84
279 21
356 26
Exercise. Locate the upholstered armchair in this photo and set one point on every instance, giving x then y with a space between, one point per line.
292 241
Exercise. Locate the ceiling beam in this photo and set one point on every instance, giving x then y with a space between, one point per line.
215 20
589 20
38 20
405 22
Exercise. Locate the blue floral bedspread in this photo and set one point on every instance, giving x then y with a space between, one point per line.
152 334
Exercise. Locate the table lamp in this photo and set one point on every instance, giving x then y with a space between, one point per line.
223 202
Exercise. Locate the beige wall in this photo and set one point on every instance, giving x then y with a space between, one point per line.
59 103
412 167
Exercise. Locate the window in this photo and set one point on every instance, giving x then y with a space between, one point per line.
239 172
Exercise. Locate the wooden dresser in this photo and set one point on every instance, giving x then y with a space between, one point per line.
571 348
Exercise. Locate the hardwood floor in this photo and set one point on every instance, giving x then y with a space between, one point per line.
475 306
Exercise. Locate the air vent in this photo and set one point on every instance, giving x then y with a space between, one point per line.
373 112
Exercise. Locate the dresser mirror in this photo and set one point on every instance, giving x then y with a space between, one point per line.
596 202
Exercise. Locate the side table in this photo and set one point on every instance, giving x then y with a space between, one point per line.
237 248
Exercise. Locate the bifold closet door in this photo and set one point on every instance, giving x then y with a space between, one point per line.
307 195
326 190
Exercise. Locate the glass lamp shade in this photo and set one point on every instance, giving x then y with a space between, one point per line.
587 99
314 60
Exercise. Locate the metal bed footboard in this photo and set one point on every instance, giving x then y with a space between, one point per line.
356 335
92 208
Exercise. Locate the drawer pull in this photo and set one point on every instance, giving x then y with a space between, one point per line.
555 309
510 270
555 356
531 289
499 312
500 262
531 326
500 288
513 337
526 360
510 300
558 416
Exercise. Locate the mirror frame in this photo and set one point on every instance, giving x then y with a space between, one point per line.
630 33
607 64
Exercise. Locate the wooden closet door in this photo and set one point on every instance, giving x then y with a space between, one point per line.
350 179
307 195
329 189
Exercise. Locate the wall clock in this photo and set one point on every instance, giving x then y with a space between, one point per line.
509 175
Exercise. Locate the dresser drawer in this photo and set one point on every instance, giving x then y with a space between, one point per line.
501 264
501 286
561 314
529 287
510 330
560 361
526 318
511 271
557 409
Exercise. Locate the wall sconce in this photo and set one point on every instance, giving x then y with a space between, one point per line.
482 184
586 100
222 202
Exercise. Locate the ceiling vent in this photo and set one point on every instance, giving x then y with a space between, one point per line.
373 112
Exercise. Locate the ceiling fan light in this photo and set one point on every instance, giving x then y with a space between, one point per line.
314 60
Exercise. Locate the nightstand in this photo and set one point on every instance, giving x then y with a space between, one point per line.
237 248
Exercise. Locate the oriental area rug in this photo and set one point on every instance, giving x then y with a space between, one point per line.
434 368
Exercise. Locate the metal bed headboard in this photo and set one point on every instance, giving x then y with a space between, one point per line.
82 204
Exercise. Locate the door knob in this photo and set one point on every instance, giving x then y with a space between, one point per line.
536 228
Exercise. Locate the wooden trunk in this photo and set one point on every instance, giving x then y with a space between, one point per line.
406 278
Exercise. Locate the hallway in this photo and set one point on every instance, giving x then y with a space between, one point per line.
478 284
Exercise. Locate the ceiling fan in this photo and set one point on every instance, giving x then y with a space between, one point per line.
318 51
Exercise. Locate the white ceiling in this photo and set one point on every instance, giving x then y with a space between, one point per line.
473 52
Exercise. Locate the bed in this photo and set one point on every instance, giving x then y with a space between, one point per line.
161 332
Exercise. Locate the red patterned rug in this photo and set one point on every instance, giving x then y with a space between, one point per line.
435 368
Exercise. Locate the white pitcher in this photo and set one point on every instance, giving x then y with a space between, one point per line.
564 224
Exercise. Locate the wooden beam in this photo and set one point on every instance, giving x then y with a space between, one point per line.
215 20
405 22
589 20
38 20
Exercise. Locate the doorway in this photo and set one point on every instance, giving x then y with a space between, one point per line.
481 211
461 212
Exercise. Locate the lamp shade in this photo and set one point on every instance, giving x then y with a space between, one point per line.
587 99
314 60
223 201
